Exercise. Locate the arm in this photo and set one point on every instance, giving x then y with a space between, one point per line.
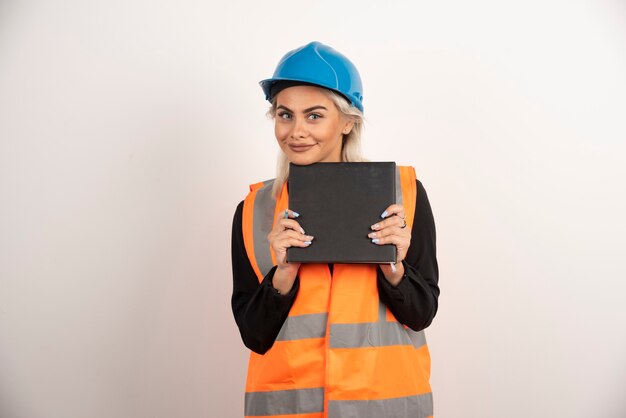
259 309
414 300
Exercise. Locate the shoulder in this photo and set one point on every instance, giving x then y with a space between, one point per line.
259 192
420 187
262 184
265 185
238 217
422 203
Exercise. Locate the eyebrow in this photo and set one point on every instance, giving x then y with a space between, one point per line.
307 110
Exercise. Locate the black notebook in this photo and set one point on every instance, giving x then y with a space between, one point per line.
337 203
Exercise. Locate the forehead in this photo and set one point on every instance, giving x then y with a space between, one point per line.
303 97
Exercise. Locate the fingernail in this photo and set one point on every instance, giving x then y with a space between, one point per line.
301 231
384 214
375 240
375 226
371 235
295 214
310 237
307 242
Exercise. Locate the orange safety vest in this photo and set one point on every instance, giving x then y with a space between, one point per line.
340 353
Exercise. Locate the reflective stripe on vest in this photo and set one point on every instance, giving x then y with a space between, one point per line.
257 223
416 406
372 334
284 402
306 401
329 354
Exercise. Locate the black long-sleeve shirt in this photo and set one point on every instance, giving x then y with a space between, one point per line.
260 310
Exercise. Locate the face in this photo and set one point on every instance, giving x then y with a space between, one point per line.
308 126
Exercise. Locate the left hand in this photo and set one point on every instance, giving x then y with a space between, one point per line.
392 230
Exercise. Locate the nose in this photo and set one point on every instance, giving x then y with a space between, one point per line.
299 129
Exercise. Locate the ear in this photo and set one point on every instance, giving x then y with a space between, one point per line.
347 128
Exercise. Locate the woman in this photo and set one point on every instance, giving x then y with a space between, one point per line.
331 340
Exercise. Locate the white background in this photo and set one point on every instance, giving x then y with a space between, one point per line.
130 130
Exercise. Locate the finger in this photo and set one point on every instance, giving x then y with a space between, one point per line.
283 240
289 224
289 233
391 230
389 222
288 213
292 242
399 242
393 210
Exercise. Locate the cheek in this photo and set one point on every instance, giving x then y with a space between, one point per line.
332 129
324 132
332 133
280 130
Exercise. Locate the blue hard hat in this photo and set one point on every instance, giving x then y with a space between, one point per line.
320 65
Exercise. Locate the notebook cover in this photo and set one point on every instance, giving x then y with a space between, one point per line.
337 203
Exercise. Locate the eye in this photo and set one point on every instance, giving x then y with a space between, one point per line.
284 115
314 116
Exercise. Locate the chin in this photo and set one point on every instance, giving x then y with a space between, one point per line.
302 159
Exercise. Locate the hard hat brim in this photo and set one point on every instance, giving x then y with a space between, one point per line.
267 84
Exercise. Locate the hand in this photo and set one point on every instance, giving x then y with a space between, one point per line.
393 230
286 233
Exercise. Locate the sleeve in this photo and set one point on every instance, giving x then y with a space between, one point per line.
259 309
414 301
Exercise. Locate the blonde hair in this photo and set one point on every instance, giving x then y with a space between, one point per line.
350 150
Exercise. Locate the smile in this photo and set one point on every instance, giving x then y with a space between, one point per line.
300 148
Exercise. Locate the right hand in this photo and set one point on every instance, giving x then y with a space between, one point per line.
286 233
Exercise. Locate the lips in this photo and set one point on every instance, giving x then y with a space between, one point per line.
300 147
